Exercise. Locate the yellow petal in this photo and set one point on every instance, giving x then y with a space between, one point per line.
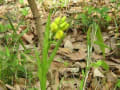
54 27
59 34
57 20
63 19
66 27
63 24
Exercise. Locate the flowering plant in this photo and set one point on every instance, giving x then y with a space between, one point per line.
57 29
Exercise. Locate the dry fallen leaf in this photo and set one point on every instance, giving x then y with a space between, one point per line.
70 84
97 73
64 51
68 44
111 81
77 56
17 87
80 64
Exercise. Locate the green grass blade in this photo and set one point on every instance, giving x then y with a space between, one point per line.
12 26
54 52
100 38
46 42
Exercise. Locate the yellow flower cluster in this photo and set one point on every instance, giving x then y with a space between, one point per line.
59 26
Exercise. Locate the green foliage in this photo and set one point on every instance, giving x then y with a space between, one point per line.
94 36
24 11
99 41
118 83
21 1
63 2
4 28
112 1
1 1
92 15
94 32
89 51
100 63
89 41
82 81
12 66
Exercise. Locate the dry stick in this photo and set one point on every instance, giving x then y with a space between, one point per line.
38 24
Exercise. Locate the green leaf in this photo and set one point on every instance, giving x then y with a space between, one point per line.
90 10
39 64
8 26
108 18
88 36
1 28
21 1
99 37
84 19
54 52
101 63
118 83
82 81
112 1
101 44
7 51
24 11
46 41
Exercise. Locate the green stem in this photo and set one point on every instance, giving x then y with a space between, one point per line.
43 81
54 52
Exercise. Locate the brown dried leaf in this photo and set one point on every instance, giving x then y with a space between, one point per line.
68 44
97 73
77 56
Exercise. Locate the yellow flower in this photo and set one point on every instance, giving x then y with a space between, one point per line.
57 20
66 27
63 19
59 34
54 27
63 24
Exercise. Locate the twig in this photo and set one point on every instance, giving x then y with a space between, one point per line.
38 24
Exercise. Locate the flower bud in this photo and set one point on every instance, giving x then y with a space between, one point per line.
54 27
59 34
63 24
66 27
63 19
57 20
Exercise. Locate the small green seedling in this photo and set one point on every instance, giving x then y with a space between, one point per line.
100 63
4 28
24 11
